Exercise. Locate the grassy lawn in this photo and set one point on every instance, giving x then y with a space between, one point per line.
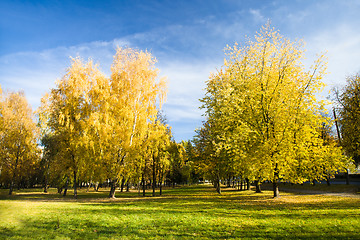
194 212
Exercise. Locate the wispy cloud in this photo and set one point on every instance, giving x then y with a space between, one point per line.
342 44
35 73
258 17
189 49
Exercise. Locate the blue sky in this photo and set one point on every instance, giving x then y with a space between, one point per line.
187 37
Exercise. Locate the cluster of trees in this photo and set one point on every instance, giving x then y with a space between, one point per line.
348 119
95 129
19 150
264 122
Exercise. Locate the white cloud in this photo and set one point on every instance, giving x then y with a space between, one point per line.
342 44
35 73
258 17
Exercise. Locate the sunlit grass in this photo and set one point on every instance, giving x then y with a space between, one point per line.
195 212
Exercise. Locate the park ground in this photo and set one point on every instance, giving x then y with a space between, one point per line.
185 212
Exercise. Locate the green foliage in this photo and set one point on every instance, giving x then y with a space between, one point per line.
348 100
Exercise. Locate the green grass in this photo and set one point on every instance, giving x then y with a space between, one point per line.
195 212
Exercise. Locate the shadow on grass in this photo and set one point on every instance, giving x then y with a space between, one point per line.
191 213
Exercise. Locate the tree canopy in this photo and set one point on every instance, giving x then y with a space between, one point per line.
262 112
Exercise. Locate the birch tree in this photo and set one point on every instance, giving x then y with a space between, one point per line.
137 93
18 137
66 111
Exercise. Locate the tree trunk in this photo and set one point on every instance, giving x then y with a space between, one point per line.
143 183
217 186
14 173
347 177
275 181
46 186
160 189
66 186
127 186
154 177
122 184
46 180
328 180
276 189
257 185
88 187
112 188
75 185
241 184
247 184
11 186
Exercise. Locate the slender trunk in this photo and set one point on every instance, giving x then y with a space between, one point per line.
217 186
143 183
161 180
127 186
154 178
347 177
66 186
138 186
229 182
337 126
112 188
160 188
247 184
241 184
14 172
328 180
218 189
75 185
257 185
46 180
46 185
11 186
122 184
275 181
